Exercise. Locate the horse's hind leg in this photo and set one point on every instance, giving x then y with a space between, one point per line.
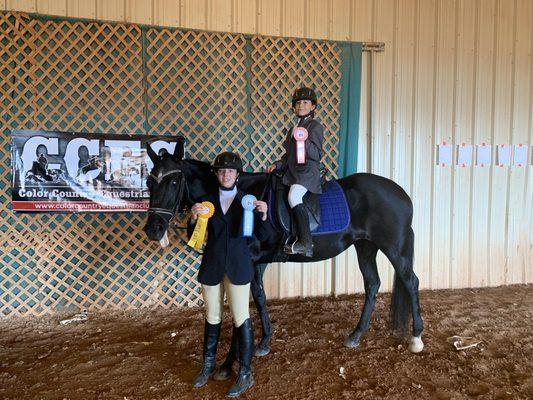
366 255
405 300
259 296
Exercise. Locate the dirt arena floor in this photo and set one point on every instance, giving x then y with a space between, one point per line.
134 355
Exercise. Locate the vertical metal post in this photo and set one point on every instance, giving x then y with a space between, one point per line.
370 111
371 48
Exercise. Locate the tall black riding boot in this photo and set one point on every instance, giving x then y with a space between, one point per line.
304 244
245 379
225 370
211 334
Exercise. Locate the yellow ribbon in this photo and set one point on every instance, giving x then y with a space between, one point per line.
198 236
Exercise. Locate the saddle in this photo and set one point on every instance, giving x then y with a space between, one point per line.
281 209
328 212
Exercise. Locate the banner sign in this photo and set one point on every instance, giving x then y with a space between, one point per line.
66 172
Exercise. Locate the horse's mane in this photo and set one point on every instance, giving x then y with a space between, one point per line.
248 181
198 163
204 164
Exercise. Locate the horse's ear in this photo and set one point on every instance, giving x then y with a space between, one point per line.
179 150
151 153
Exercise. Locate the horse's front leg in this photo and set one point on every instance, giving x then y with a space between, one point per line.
258 293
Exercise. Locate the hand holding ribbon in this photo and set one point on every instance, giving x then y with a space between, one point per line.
198 236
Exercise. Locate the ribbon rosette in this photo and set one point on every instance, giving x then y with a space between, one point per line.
198 236
247 203
300 135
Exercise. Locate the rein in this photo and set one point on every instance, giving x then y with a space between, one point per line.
267 184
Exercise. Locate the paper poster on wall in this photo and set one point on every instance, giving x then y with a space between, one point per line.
504 155
520 155
484 155
444 154
464 155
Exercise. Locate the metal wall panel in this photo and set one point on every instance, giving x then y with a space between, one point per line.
81 9
139 11
293 18
316 18
382 124
52 7
423 145
269 17
501 134
462 176
110 10
21 5
443 105
244 16
166 12
458 71
194 13
482 115
520 193
220 15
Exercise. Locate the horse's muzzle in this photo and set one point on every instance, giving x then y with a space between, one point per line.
155 227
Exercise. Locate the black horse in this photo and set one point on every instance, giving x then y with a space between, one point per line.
381 214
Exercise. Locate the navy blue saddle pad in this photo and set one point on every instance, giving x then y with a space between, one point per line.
335 215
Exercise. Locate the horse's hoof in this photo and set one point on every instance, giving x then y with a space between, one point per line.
351 342
416 345
222 374
262 349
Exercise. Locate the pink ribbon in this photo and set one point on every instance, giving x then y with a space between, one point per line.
300 135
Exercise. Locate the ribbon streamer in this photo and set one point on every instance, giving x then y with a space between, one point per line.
198 236
300 135
247 203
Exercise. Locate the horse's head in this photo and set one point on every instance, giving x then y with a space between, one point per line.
167 186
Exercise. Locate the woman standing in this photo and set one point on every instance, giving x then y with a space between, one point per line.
227 268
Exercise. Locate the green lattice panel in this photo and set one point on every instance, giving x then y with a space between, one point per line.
16 51
88 77
93 261
197 88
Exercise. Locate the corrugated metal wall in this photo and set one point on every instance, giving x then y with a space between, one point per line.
453 70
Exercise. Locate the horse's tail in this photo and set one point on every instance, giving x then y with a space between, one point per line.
401 309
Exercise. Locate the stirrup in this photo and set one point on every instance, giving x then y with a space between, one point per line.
292 247
288 248
306 252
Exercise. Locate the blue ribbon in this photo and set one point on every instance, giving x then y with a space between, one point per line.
247 203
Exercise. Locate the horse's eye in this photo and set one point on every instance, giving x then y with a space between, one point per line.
174 182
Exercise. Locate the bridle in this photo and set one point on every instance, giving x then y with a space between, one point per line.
168 214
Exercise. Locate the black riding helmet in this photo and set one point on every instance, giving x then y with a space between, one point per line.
304 93
228 159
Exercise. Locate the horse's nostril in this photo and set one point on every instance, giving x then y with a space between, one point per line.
154 231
